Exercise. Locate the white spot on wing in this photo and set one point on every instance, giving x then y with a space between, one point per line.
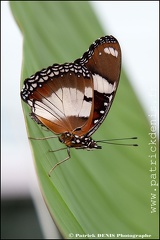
95 121
102 85
110 98
102 111
110 50
106 50
116 53
34 85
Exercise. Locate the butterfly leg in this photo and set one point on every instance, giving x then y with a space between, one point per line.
44 138
68 157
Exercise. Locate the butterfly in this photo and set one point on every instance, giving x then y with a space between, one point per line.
73 99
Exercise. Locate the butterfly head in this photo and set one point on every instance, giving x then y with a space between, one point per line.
79 142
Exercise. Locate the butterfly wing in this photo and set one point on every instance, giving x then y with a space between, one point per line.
103 60
61 98
76 97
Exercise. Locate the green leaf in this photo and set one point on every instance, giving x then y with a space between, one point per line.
97 192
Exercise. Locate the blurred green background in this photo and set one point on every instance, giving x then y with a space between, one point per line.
94 192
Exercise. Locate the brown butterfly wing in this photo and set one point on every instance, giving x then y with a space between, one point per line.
103 60
61 98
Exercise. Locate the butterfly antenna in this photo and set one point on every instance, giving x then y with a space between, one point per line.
44 138
110 141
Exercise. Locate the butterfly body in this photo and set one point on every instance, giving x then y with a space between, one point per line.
73 99
78 142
